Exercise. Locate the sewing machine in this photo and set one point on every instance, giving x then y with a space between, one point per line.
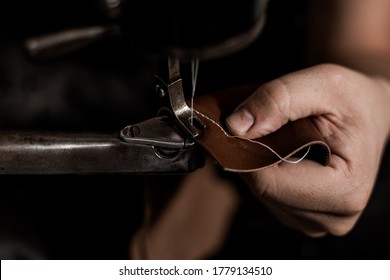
177 31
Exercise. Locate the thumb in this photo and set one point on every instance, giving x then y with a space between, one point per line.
297 95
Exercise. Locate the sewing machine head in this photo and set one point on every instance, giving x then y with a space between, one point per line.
187 29
174 29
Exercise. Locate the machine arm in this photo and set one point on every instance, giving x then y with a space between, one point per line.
152 146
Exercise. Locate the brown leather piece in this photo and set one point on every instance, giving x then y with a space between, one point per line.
242 155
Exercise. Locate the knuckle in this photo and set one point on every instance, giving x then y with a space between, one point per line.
343 226
356 196
355 190
276 95
355 203
259 183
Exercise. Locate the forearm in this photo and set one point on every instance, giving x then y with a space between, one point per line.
355 34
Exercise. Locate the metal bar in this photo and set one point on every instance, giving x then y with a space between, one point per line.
83 153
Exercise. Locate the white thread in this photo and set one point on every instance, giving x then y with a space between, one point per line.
194 74
256 142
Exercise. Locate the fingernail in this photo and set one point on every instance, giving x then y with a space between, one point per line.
240 121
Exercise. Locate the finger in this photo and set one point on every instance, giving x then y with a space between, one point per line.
310 186
291 220
291 97
314 224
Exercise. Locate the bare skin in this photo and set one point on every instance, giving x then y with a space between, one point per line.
345 90
348 100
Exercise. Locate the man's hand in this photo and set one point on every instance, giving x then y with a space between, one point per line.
352 111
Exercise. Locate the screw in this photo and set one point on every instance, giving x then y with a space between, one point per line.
134 131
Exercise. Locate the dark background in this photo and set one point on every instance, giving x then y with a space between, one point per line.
109 85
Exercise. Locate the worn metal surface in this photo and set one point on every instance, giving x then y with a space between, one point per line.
157 150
